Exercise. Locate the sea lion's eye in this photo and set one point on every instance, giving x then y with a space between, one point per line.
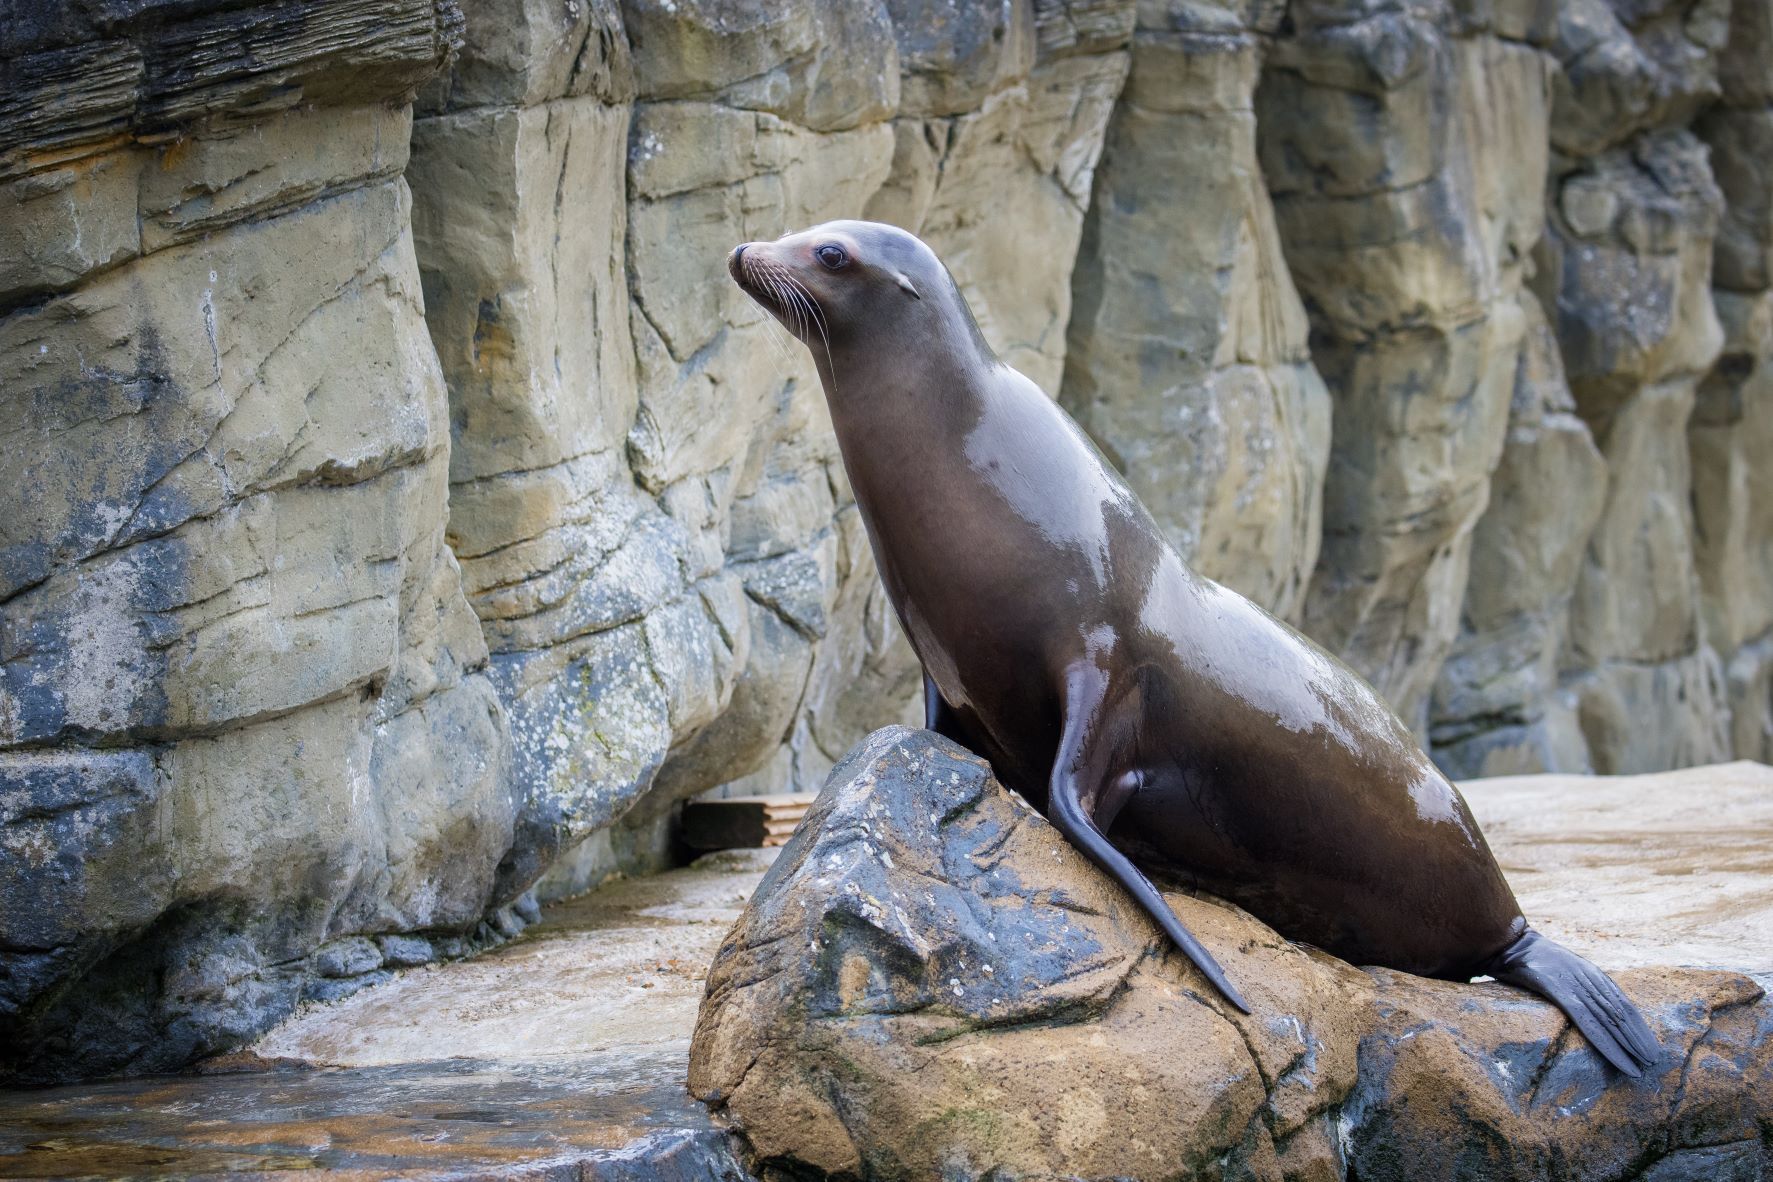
834 257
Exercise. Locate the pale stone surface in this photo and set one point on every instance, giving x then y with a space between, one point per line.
616 971
1664 868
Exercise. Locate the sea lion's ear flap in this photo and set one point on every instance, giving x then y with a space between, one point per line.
908 287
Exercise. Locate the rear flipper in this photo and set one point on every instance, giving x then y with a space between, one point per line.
1590 999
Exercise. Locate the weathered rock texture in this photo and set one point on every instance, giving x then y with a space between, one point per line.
1188 358
1406 162
243 706
401 511
931 983
1732 424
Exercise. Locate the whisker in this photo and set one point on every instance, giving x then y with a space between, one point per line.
789 293
791 304
812 304
771 279
824 334
784 355
800 311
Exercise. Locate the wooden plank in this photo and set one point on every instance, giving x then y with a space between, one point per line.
743 822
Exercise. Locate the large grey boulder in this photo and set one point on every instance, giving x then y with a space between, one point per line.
931 983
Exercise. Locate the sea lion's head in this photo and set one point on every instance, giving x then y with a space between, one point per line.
825 285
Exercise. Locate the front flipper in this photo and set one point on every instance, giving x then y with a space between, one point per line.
1076 791
938 715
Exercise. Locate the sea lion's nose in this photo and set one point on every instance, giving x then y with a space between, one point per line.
734 261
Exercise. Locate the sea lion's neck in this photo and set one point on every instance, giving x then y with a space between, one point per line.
902 413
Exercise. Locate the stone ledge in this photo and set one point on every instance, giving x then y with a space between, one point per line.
75 86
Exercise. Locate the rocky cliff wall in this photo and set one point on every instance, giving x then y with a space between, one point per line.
401 511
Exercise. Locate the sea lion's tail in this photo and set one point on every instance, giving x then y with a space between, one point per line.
1590 999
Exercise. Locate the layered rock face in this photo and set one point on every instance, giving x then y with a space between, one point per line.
930 982
1188 359
1732 423
403 511
243 703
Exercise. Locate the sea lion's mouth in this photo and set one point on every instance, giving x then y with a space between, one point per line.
753 274
774 285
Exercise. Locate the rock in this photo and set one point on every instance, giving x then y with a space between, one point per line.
611 1118
243 703
81 824
1733 409
1628 68
1406 166
1187 359
928 964
1634 376
348 957
403 952
1453 1089
1741 143
1498 707
1028 150
325 990
81 77
562 557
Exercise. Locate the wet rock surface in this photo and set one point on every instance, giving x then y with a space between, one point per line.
558 1055
931 983
561 1118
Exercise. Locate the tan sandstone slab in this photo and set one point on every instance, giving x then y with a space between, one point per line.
613 971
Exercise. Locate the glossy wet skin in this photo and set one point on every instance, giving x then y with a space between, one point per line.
1073 647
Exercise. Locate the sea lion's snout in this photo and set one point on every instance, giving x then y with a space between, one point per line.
761 274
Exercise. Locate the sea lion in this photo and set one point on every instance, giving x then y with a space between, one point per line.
1158 719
